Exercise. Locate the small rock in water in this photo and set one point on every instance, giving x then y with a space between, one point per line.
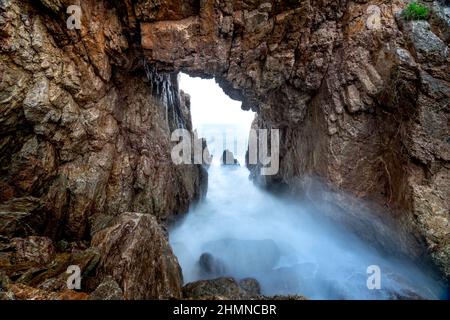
225 288
228 159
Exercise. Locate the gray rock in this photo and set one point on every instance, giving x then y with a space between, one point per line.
251 286
107 290
428 46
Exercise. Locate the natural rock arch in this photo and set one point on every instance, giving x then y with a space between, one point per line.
86 134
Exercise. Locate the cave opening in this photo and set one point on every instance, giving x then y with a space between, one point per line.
217 118
270 244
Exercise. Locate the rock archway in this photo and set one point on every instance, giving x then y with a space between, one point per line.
358 93
360 96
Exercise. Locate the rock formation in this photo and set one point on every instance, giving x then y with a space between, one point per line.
228 159
229 289
85 132
359 94
134 248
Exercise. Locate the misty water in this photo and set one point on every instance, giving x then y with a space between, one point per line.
286 246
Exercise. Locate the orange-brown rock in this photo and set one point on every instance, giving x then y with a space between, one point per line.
136 254
359 94
24 292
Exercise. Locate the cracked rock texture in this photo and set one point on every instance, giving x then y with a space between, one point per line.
85 128
361 98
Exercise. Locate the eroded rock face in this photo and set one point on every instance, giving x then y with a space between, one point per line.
84 129
85 132
136 254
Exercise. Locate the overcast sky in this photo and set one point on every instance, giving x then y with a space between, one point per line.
210 105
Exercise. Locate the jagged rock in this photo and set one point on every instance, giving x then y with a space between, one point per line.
251 286
16 216
79 135
24 292
39 250
344 92
107 290
427 45
135 252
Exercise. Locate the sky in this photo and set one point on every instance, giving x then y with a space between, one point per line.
210 105
217 118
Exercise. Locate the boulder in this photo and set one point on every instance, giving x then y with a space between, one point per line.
109 289
220 289
135 252
251 286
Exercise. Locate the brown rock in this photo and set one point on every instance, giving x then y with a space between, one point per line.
135 253
92 139
16 216
23 292
107 290
221 289
39 250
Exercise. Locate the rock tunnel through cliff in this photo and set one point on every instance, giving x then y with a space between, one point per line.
85 134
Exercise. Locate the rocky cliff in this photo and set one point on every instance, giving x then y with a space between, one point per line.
85 133
359 94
